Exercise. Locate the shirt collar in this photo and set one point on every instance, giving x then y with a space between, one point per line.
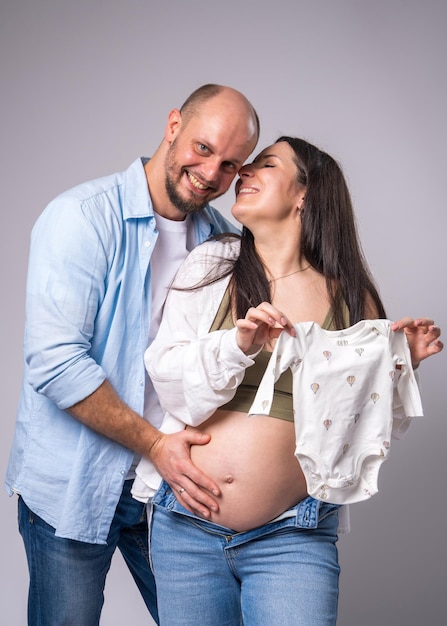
137 202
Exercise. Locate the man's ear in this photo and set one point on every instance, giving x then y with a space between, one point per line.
173 125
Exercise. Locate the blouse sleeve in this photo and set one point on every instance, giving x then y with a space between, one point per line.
194 371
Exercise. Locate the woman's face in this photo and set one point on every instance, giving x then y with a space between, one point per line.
268 187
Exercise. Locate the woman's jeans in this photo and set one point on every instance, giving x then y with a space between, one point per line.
67 577
285 572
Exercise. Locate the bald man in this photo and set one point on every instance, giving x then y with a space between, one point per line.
102 257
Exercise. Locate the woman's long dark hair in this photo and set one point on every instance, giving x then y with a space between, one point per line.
329 242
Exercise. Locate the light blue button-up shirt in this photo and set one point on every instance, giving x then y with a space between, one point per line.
87 320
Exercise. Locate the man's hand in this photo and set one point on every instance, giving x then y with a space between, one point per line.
104 412
171 456
423 337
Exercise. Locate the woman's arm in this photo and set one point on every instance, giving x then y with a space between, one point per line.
195 371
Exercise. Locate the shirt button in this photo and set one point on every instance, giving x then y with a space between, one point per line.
147 244
242 364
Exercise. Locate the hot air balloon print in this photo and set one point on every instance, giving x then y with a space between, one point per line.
327 355
315 387
327 424
360 351
350 380
375 397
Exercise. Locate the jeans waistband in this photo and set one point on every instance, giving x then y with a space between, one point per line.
306 514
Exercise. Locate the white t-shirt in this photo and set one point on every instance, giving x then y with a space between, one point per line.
174 242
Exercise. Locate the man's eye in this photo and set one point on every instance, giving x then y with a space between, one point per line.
202 147
230 167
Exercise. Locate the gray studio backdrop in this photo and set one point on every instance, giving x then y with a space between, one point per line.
86 87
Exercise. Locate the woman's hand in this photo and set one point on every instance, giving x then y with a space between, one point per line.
423 337
260 326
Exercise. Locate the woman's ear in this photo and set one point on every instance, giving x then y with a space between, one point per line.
300 203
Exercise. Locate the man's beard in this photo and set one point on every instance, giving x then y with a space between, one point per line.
182 205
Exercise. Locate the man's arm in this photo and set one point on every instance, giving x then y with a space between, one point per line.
105 413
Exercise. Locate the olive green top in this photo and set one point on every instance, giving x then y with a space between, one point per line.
282 405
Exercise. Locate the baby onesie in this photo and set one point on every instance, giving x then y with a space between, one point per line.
352 391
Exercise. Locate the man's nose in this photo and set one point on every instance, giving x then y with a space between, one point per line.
210 169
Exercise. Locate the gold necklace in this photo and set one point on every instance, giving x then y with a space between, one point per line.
285 275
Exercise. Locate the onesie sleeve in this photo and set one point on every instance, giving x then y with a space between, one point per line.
286 354
407 401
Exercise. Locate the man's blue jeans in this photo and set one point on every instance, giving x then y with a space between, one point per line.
67 577
285 572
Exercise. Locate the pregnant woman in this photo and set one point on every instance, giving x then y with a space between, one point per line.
268 554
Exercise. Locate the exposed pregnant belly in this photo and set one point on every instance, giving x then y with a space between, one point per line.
252 460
